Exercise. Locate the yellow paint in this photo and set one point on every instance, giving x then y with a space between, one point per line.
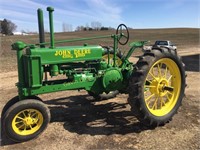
118 62
163 73
76 53
81 52
64 53
27 122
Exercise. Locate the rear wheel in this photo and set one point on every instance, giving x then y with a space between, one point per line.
157 86
25 120
111 56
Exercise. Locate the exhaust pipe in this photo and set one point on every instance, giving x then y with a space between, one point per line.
41 27
50 10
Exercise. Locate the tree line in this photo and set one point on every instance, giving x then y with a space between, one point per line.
94 26
7 27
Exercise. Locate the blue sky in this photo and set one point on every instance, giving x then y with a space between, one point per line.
133 13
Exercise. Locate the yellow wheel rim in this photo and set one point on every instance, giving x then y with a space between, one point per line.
118 62
27 122
162 87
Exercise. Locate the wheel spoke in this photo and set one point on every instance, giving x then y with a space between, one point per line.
169 78
24 127
166 72
159 70
18 122
152 71
29 113
149 86
169 92
153 76
146 99
35 120
161 102
24 114
148 103
155 103
148 82
21 126
30 126
33 114
20 118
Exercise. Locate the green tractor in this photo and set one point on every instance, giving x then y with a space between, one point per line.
155 84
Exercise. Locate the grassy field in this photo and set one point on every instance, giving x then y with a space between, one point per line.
184 38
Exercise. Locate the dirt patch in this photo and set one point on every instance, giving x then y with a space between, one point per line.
80 122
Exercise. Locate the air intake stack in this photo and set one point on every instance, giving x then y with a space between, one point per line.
50 10
41 27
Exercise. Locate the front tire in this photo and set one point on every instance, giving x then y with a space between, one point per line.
15 100
157 86
25 120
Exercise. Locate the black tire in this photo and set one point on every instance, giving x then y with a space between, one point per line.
141 85
111 94
25 120
15 100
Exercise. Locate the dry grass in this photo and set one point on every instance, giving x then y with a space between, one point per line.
184 38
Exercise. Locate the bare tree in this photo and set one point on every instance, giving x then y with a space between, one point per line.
80 28
67 27
96 25
7 27
87 27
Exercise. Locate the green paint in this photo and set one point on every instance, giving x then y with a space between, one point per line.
41 27
50 9
112 79
82 65
67 54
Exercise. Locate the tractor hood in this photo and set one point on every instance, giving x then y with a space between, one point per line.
66 54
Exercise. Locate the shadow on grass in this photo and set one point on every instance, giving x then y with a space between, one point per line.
191 62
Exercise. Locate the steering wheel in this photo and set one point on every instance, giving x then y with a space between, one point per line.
124 37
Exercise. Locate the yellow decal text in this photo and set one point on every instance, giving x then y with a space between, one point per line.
64 53
81 52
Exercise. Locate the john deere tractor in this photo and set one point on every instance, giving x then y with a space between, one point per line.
155 84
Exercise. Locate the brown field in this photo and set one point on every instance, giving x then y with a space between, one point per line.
80 122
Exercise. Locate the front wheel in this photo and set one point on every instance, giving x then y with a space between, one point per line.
25 120
157 86
15 100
